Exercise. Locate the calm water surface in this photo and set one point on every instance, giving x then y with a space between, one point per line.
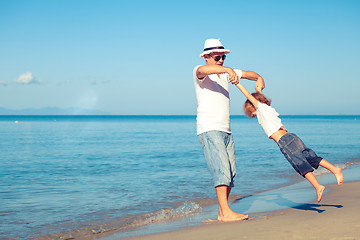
61 173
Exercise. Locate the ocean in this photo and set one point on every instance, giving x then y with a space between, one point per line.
63 176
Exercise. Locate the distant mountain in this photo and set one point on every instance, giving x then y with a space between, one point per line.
52 111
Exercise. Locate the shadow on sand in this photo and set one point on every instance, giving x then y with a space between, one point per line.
282 202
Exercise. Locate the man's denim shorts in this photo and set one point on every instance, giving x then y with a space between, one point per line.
219 151
302 159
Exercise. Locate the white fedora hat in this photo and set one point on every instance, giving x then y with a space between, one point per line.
213 45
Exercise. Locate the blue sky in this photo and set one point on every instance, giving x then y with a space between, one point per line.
137 57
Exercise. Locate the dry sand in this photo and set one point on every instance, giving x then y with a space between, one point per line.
336 217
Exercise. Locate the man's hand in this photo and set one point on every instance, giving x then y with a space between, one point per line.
259 85
233 77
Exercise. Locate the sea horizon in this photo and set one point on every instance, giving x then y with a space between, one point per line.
170 115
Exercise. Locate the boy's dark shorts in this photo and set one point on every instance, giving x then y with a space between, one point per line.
301 158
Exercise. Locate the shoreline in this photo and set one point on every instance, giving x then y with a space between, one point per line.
336 217
273 214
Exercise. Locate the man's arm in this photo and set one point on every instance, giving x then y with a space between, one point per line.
259 85
205 70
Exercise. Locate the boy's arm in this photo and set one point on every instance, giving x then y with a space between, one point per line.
247 94
259 85
205 70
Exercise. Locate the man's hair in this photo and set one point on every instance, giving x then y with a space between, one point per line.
249 107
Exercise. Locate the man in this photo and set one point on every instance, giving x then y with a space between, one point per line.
213 120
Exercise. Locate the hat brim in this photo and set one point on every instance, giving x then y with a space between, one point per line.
226 51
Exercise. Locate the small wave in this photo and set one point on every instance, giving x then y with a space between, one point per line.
168 214
322 171
129 223
353 162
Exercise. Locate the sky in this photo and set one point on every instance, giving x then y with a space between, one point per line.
137 57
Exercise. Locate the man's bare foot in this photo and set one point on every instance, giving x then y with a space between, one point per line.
319 192
232 217
339 176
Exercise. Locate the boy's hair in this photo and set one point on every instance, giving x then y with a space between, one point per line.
249 107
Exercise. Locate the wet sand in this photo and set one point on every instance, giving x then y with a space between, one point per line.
336 217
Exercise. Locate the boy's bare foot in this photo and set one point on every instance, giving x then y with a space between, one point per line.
232 217
319 192
339 176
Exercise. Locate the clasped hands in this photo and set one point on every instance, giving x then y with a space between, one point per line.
234 79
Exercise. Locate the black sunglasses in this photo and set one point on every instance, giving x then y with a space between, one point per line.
217 58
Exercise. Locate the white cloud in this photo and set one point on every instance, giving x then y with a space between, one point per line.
26 78
3 83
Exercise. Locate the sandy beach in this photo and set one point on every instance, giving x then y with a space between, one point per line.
336 217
